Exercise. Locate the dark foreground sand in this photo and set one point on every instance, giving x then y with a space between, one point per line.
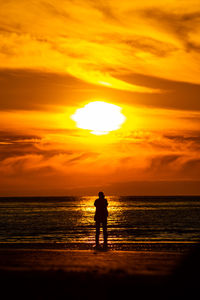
88 274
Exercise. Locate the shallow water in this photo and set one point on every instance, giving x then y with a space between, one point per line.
70 220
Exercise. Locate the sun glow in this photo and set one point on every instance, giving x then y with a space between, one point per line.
100 117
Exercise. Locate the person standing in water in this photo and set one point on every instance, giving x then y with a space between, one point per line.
100 217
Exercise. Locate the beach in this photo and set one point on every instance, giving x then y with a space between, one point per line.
89 274
47 248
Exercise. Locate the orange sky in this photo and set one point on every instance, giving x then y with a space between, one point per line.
56 56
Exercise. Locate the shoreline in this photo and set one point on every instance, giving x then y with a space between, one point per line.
161 246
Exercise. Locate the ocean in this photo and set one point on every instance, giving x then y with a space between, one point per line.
134 222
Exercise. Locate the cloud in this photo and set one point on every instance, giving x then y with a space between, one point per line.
22 154
37 90
149 45
149 188
86 39
190 141
105 8
45 91
12 137
161 163
14 144
52 162
180 159
11 147
191 168
178 95
157 156
183 166
182 25
55 48
32 159
55 10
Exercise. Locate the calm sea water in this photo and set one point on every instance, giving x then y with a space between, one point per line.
70 221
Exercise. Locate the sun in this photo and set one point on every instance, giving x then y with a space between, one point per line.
100 117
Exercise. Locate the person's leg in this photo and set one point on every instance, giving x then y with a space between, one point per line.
97 232
105 233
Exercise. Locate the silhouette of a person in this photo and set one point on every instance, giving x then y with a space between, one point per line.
100 217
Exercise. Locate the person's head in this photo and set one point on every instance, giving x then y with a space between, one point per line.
101 195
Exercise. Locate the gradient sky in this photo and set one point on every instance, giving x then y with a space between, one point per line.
56 56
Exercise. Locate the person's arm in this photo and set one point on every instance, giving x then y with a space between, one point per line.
106 208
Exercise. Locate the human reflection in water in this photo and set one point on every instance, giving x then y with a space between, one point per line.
100 217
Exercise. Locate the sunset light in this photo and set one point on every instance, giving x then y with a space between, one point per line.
99 95
99 148
99 117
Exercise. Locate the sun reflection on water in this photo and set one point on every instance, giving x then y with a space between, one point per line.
87 217
70 220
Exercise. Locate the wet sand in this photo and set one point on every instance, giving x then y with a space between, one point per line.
89 274
92 261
